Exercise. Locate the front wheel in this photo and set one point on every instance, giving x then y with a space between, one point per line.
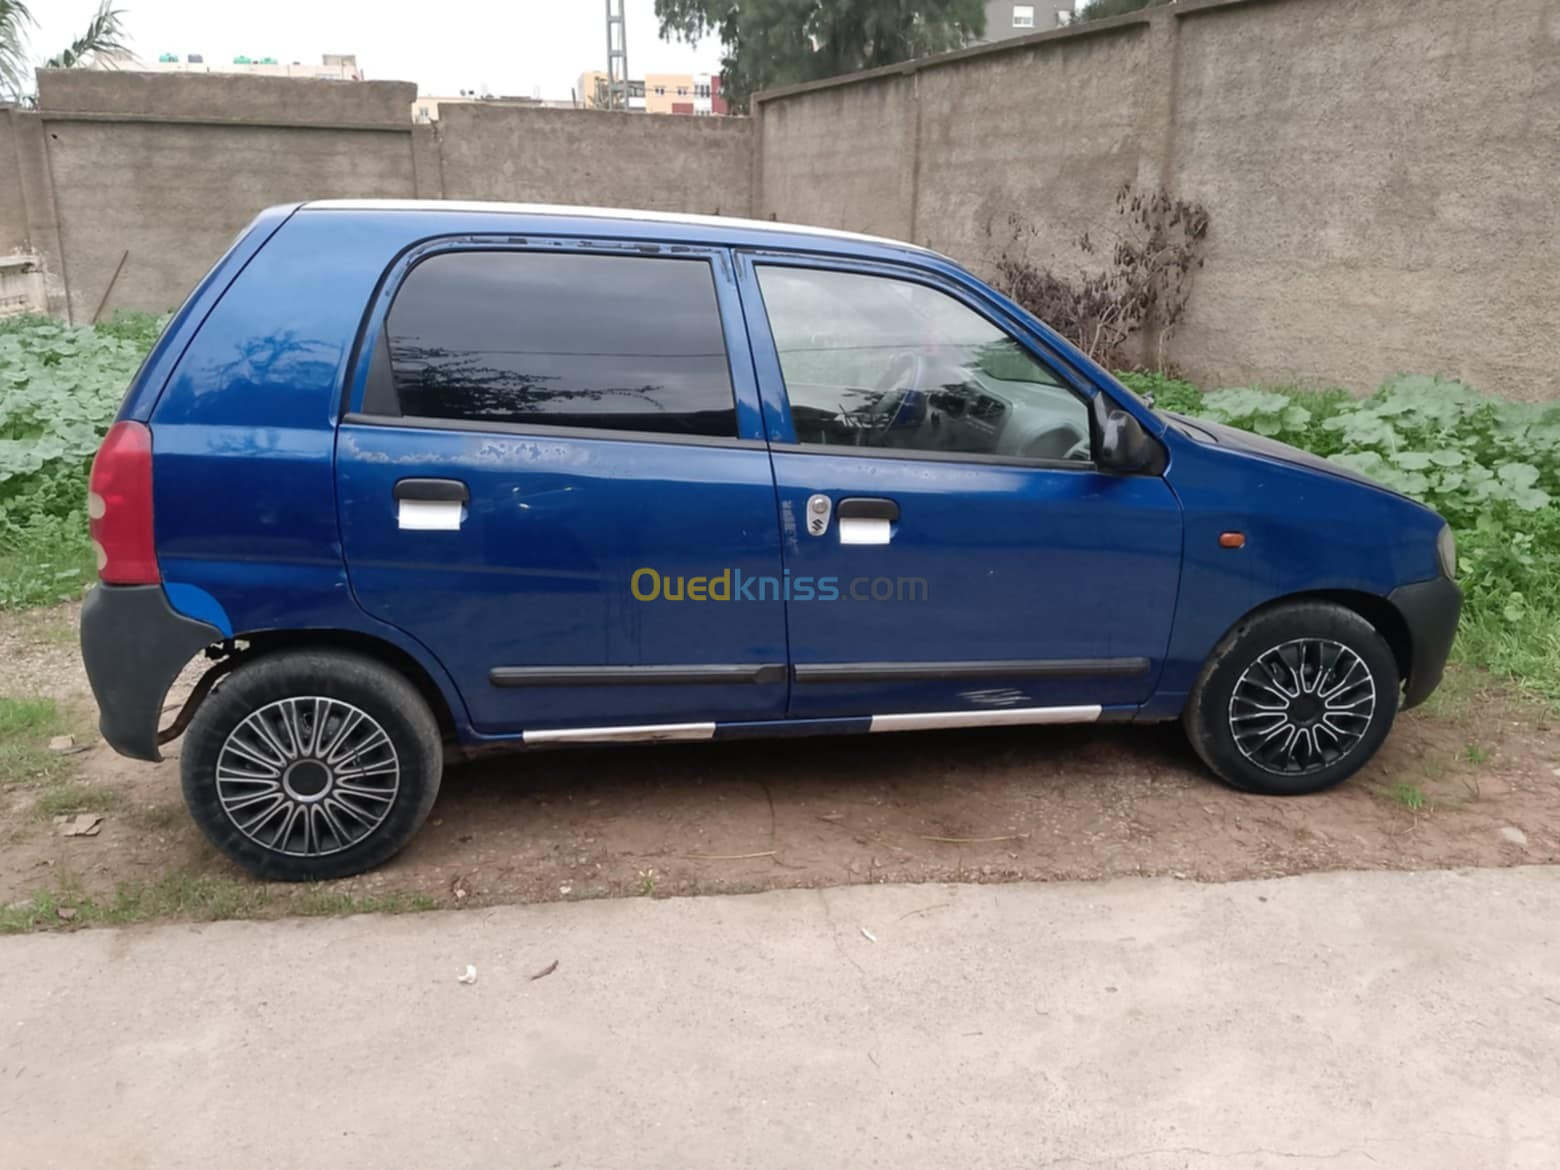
1295 699
311 764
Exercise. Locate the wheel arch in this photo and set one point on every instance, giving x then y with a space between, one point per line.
268 642
1383 616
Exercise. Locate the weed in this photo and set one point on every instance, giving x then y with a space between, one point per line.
1139 277
1410 796
647 880
1477 753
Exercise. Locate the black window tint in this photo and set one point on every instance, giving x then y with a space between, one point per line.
617 342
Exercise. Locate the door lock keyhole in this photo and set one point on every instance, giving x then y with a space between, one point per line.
818 508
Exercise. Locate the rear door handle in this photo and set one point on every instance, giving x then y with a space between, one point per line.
431 505
867 519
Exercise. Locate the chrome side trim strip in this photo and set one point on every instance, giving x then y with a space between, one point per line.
934 719
913 721
640 733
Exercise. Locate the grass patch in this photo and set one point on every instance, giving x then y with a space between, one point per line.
1410 796
1461 687
27 718
45 561
26 725
190 897
1526 650
66 798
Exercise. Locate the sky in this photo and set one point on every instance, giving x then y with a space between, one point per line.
519 47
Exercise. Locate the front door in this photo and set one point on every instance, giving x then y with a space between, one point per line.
949 543
538 431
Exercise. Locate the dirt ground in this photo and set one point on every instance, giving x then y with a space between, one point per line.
1473 779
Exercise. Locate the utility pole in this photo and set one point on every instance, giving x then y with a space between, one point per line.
617 57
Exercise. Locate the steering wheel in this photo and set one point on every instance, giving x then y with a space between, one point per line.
899 399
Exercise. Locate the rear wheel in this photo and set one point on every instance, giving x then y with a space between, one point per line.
311 764
1295 699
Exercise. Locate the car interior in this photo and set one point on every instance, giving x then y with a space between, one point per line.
899 365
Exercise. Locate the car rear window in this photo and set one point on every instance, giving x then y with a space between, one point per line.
628 343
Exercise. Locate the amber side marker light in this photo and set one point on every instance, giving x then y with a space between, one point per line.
1232 540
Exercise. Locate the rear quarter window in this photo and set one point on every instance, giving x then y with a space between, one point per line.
629 343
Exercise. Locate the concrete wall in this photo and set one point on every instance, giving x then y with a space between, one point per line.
217 97
843 157
602 159
154 174
1382 177
1384 181
13 210
129 186
1058 156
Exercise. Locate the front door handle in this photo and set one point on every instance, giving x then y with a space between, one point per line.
431 505
441 490
867 519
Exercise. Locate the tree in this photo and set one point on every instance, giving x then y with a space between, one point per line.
14 19
780 42
1099 9
104 35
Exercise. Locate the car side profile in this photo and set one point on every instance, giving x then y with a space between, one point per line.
424 479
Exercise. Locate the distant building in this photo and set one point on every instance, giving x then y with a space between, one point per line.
658 93
1006 19
683 93
332 66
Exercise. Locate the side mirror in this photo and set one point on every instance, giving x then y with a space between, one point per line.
1125 445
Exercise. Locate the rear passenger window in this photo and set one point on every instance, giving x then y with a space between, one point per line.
617 342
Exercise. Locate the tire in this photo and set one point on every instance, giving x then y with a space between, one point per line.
289 803
1248 726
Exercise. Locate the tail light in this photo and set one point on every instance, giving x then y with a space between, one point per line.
119 507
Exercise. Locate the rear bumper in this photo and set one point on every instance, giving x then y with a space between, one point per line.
134 646
1431 610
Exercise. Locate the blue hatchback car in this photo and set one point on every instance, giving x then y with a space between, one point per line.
426 478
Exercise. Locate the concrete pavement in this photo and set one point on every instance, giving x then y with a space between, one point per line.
1351 1020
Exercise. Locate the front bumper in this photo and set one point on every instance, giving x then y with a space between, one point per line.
135 645
1431 609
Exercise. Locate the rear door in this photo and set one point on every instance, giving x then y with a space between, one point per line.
548 444
949 543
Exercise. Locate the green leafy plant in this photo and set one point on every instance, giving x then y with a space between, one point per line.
60 387
1168 393
1491 467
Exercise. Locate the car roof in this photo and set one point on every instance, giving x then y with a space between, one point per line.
543 218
